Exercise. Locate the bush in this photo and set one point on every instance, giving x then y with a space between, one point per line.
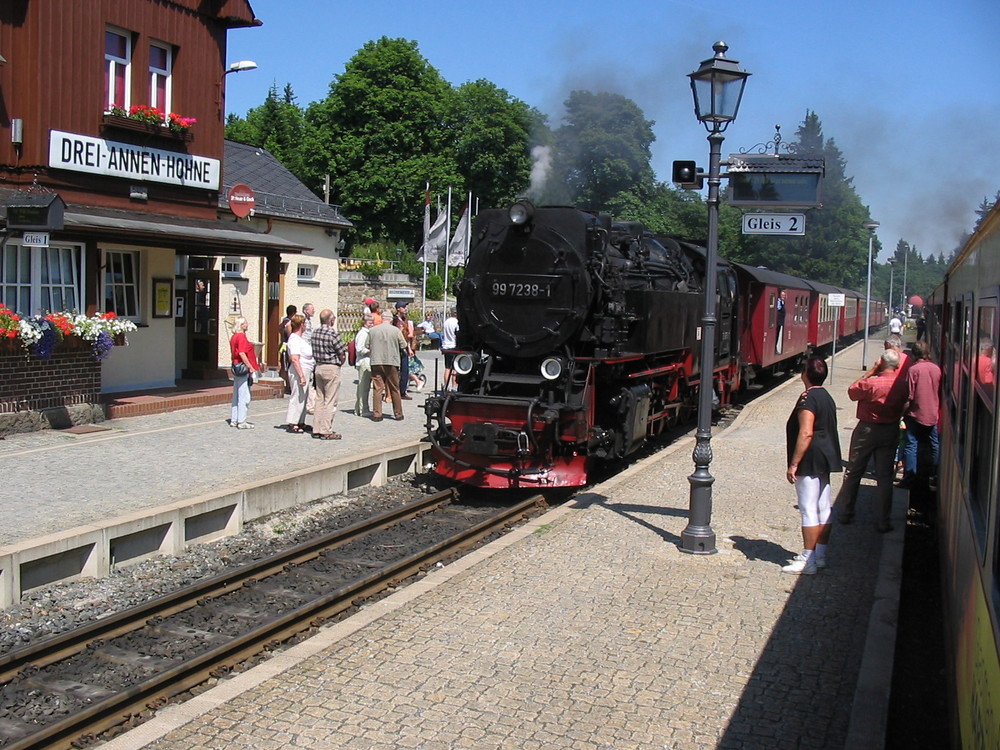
435 287
371 268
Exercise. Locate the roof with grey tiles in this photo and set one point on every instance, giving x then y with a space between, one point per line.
278 192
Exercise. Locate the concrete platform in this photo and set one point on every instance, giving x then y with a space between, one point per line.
79 502
589 629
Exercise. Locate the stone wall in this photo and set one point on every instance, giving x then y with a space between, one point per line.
355 288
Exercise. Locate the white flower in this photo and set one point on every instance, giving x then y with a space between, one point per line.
30 331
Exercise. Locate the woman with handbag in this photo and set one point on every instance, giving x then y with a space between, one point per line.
244 366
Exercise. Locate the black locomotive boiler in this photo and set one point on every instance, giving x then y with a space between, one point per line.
578 339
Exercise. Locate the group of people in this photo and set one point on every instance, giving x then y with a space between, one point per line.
900 389
312 358
386 358
314 355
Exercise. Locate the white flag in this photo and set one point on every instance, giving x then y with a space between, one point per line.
459 247
437 238
436 235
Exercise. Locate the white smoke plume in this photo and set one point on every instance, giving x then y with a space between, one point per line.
541 165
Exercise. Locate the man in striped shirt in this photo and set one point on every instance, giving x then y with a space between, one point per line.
330 353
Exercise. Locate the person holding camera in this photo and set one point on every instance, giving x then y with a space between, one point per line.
876 435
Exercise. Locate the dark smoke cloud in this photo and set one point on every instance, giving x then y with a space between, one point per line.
922 173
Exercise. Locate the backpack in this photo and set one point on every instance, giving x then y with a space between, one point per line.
352 354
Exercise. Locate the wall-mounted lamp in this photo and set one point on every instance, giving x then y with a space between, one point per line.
236 67
239 67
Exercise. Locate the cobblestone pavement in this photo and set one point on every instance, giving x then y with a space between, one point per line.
54 481
589 629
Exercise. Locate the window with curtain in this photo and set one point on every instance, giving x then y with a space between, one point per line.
121 283
117 68
40 280
160 66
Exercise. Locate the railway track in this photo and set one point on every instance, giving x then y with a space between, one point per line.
65 690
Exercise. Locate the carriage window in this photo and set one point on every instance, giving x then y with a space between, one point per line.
986 356
983 465
772 310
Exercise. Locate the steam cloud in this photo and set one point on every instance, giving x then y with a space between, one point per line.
541 165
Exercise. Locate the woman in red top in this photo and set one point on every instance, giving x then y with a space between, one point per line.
244 366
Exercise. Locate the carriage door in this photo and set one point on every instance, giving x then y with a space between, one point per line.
203 325
727 341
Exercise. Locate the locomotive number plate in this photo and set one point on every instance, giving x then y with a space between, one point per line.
522 287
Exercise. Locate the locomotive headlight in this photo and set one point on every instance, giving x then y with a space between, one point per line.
520 213
464 363
551 368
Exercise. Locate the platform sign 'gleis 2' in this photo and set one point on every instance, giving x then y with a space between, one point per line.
794 224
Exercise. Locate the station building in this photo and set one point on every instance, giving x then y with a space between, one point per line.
140 210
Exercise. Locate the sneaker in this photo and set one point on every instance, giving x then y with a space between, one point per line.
800 567
245 426
819 561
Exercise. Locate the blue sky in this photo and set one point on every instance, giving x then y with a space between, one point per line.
909 90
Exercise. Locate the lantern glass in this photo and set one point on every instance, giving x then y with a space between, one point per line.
717 96
717 86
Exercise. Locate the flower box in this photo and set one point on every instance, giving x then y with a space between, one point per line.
119 122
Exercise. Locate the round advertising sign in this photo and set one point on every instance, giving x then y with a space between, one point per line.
241 200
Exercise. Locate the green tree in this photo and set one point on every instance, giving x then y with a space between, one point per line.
277 125
381 135
985 207
491 142
602 149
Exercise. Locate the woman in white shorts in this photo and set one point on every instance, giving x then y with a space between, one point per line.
813 447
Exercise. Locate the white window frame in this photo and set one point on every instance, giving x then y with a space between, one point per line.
166 74
37 262
235 269
306 273
124 304
111 65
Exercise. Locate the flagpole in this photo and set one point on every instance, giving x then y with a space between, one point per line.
424 250
468 232
446 244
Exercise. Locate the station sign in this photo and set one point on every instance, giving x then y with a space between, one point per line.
242 200
35 239
836 300
773 180
98 156
35 212
789 224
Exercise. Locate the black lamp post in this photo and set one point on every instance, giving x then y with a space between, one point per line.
718 88
892 267
871 226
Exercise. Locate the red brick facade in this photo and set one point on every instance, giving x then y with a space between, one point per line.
71 377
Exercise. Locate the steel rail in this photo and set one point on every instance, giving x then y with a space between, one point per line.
61 646
121 707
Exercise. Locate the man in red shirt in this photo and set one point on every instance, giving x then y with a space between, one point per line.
923 385
876 436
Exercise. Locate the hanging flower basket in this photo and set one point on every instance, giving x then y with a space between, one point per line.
150 121
39 336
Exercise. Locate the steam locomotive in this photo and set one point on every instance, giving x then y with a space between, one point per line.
579 339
